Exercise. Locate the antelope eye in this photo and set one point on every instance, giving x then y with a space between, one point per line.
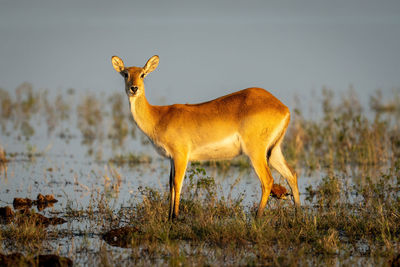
125 75
142 75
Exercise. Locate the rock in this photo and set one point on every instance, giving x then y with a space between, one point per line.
6 212
120 237
41 201
22 203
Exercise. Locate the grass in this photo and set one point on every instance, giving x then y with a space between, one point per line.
337 226
338 222
24 235
130 159
343 136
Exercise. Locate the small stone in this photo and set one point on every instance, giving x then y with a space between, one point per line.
120 237
21 203
6 212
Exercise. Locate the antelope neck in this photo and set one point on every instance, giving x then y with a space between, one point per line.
144 114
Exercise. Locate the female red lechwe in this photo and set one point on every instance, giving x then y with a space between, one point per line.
251 121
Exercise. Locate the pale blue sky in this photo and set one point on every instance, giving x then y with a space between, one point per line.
206 48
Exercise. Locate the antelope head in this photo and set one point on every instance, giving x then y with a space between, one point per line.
134 76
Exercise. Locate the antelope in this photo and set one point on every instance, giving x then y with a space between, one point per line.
251 121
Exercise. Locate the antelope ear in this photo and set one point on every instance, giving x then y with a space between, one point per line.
117 63
151 64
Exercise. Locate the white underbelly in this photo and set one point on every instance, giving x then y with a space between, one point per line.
226 148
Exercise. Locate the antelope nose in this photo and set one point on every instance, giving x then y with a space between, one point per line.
134 89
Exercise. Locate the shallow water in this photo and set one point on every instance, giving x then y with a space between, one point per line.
79 173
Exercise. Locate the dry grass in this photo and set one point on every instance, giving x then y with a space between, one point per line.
344 136
335 226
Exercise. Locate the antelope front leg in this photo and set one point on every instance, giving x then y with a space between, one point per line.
261 168
180 164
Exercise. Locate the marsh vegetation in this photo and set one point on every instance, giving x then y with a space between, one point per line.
112 188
